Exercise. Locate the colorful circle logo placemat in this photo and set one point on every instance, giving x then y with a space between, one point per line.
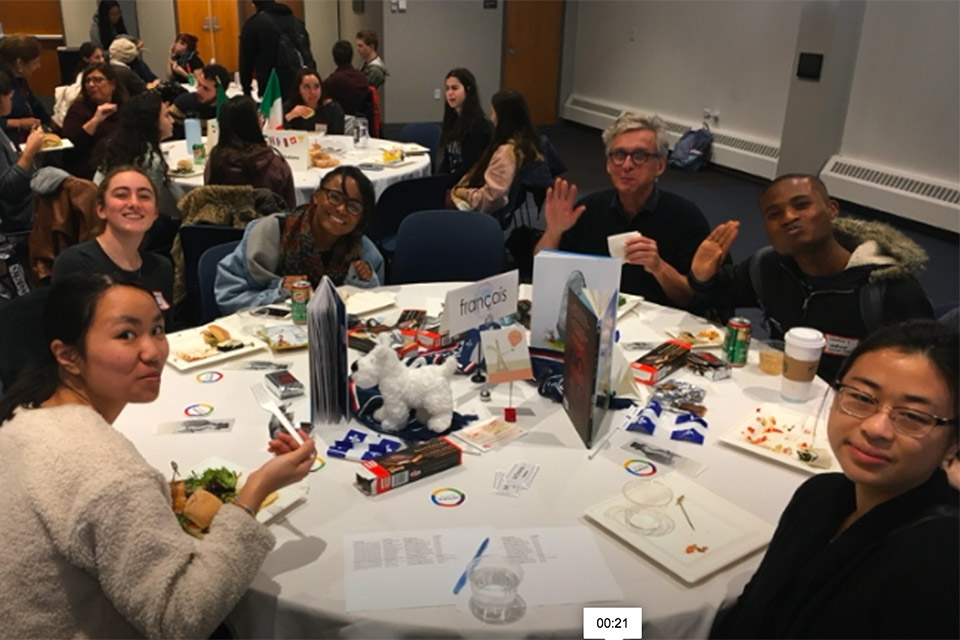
198 409
638 467
209 377
448 497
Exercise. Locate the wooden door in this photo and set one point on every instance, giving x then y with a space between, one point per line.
533 37
40 18
226 32
216 24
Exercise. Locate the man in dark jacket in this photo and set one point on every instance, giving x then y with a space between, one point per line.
843 276
202 103
346 85
260 39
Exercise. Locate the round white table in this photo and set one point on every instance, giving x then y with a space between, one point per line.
300 591
307 182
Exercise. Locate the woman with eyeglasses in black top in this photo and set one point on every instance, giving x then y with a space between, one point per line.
871 552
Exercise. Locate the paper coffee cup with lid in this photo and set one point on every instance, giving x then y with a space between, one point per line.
801 357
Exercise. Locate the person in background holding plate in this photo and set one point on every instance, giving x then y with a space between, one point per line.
322 238
16 169
872 552
242 156
91 546
308 107
143 122
20 58
127 203
92 117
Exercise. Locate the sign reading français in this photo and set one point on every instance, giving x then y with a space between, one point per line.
481 302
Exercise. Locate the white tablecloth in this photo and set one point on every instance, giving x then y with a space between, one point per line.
300 590
306 182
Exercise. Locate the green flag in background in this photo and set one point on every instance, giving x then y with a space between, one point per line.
221 98
271 102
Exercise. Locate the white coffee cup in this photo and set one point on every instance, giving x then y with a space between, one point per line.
617 244
801 357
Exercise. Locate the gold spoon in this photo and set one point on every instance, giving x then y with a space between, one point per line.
685 514
176 470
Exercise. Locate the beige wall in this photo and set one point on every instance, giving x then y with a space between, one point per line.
77 18
158 28
427 40
320 18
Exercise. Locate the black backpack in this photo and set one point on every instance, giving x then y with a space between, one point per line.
293 53
692 150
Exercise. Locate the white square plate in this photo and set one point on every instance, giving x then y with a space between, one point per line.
701 336
796 428
191 341
630 301
65 143
728 532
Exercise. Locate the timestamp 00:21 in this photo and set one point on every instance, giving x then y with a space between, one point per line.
612 623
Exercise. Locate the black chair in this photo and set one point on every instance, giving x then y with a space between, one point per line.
69 59
194 240
207 274
22 342
398 201
446 245
426 134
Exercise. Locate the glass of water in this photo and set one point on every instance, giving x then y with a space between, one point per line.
493 584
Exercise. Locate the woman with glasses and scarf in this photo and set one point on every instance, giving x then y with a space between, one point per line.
871 552
321 238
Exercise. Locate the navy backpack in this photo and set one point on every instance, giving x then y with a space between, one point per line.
692 150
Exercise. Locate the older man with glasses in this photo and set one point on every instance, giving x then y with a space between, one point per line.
667 229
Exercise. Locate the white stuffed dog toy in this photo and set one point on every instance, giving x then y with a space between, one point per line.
426 389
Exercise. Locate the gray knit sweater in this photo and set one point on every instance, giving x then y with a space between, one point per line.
90 546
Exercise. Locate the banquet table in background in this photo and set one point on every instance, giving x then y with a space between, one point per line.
300 590
306 182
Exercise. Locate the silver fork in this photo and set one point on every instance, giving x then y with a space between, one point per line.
267 403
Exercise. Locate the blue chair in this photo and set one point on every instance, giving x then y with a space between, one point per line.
423 133
195 239
437 246
398 201
207 273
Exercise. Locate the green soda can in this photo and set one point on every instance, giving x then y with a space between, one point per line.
299 296
736 343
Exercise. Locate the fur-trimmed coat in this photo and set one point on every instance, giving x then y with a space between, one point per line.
219 205
880 256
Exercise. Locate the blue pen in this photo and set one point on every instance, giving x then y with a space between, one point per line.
462 582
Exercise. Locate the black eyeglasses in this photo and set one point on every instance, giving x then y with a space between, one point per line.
906 421
337 198
639 156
